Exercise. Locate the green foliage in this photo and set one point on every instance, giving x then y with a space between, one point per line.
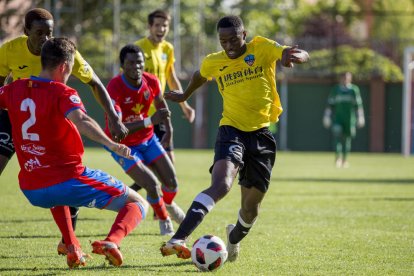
314 220
362 62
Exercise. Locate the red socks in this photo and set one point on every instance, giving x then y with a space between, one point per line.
168 195
62 217
127 219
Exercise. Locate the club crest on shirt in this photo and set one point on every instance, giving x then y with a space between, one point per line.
146 95
249 59
86 67
75 99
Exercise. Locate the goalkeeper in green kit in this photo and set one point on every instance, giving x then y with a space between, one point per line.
343 114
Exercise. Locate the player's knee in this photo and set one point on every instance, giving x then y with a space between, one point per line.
171 183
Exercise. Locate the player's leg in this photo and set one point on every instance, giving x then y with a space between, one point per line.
75 256
228 159
61 248
138 171
131 210
349 133
107 193
254 180
223 174
337 132
149 182
6 141
163 167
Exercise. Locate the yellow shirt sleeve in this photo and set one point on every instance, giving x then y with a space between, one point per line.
81 69
4 68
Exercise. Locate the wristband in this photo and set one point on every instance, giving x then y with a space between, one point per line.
147 122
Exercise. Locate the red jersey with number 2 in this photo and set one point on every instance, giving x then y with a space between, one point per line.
48 145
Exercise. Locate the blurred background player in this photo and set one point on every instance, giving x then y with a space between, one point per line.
159 60
244 143
343 114
51 171
20 58
133 92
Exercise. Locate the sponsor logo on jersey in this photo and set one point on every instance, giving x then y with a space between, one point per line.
75 99
128 100
222 69
33 164
86 67
33 149
249 59
164 57
22 67
137 108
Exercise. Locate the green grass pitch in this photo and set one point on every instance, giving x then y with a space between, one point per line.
315 220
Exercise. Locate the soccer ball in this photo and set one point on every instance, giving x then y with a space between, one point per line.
209 253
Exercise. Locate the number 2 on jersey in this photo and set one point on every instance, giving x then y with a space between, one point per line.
29 105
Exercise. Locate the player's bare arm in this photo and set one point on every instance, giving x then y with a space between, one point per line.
178 96
90 128
117 128
166 140
174 84
159 116
293 55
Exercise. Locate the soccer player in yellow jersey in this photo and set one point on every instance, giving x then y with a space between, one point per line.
159 60
245 75
20 58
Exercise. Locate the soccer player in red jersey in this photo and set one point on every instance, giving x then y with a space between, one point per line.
133 92
51 171
20 58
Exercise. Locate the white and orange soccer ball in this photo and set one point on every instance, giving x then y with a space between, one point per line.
209 253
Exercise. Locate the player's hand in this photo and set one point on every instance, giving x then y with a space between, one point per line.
360 122
292 55
160 116
166 140
121 150
327 122
175 96
117 128
189 113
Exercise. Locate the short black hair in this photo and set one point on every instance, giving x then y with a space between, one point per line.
129 48
158 13
229 21
55 51
36 14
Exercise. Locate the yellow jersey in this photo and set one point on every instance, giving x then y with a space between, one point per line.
17 60
159 61
247 84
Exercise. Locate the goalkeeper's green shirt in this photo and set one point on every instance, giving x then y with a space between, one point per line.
344 102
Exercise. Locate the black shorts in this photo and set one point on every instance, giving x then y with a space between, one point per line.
159 130
6 141
254 151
